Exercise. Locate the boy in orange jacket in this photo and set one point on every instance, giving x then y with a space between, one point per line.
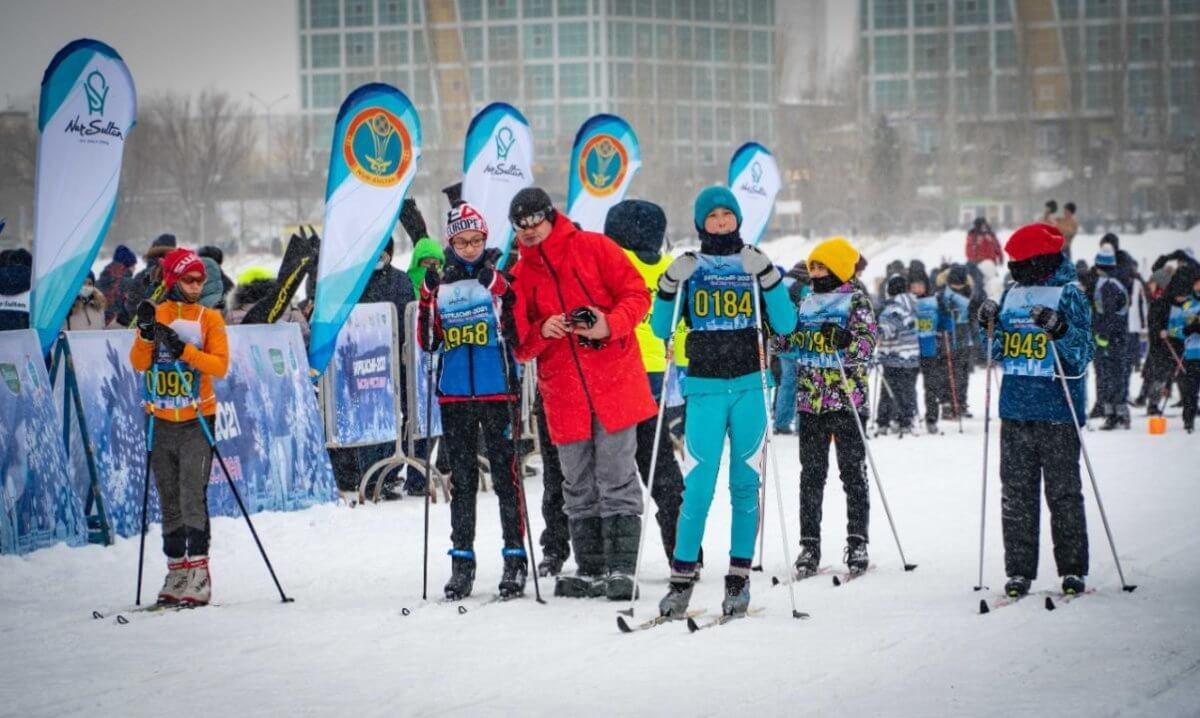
181 346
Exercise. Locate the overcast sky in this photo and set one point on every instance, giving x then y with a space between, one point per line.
240 46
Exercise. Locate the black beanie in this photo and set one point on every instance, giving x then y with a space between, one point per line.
957 275
638 226
164 240
896 284
530 200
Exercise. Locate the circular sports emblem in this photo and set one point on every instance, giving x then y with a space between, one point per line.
602 165
378 149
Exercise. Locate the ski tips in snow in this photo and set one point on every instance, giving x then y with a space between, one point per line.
758 568
983 607
837 581
980 588
801 615
1129 588
1050 604
910 566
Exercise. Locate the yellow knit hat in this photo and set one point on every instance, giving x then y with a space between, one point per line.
838 255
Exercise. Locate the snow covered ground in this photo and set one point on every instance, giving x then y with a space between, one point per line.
892 643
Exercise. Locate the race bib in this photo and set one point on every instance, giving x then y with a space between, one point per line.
815 310
721 295
1025 347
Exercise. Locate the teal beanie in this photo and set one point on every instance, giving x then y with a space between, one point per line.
710 199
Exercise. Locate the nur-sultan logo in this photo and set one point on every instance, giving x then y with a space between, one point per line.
377 149
602 165
756 172
504 143
96 89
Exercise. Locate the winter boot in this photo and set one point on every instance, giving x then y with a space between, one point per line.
674 605
855 555
737 595
931 427
622 535
199 586
516 568
550 565
462 574
1016 587
1072 584
1112 422
809 559
587 538
176 582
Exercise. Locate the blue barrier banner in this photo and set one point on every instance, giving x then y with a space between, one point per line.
362 377
418 365
268 425
38 503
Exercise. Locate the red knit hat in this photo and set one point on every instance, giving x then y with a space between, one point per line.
179 262
1034 240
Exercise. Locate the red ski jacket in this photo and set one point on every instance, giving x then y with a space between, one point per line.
983 245
572 268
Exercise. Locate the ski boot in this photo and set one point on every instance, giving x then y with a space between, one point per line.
808 560
516 568
1072 584
175 583
1110 423
462 574
550 565
855 555
931 427
881 430
622 536
737 595
674 605
1016 587
587 537
199 585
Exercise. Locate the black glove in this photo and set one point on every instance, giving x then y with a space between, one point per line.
412 221
989 313
492 281
430 284
836 336
1192 327
1049 320
169 339
146 312
485 276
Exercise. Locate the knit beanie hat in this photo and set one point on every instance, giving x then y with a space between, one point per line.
838 256
124 255
711 198
179 262
464 218
896 284
1106 257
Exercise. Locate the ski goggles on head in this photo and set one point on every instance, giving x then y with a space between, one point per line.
529 221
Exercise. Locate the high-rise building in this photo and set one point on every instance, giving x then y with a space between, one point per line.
1087 89
695 78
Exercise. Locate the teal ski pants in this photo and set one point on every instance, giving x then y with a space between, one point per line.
710 418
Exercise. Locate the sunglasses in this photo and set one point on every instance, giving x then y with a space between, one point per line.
464 243
191 279
529 221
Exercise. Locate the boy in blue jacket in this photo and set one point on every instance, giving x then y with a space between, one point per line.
723 386
1044 313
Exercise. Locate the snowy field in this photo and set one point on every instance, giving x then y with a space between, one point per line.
890 644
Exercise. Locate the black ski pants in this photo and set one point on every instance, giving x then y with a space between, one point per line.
1033 453
556 537
898 398
933 371
816 430
461 425
1189 386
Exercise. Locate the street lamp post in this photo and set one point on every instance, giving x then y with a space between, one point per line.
270 168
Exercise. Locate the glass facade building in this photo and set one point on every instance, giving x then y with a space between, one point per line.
694 77
995 60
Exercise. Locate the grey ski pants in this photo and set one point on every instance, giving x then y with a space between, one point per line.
600 475
182 461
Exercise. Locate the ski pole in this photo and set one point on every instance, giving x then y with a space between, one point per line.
953 387
146 481
428 454
760 344
658 426
987 416
1088 462
870 458
1174 355
212 443
517 475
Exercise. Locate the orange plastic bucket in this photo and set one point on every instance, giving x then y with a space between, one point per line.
1158 425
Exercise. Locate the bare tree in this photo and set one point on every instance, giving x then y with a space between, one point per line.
301 184
201 145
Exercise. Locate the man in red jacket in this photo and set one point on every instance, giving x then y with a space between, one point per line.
982 244
578 301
